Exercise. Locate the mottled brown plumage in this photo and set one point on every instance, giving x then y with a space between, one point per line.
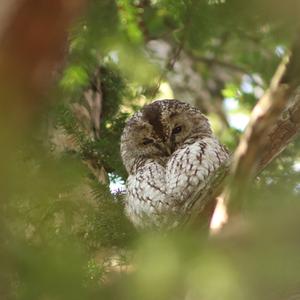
171 155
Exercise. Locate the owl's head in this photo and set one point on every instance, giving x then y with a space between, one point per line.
160 128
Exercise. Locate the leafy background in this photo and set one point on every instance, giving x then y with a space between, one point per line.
63 231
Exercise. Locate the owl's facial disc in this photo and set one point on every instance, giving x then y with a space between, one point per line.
184 124
159 129
175 136
163 148
155 145
180 127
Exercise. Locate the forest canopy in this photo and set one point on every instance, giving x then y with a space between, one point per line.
72 74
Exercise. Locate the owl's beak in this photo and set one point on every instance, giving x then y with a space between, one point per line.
172 144
164 149
168 150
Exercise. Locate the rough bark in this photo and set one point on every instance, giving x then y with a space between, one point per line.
89 118
261 141
282 132
274 122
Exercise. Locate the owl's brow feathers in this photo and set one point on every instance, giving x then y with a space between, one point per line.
152 113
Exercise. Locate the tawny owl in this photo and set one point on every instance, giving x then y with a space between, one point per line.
170 154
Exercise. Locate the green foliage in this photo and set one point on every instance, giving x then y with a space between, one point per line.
64 235
74 77
129 20
109 226
111 139
113 91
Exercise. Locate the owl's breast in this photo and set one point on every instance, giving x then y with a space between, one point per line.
161 195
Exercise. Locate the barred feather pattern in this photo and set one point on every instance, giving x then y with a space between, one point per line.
164 197
164 190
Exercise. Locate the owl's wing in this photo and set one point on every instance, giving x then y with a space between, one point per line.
146 196
190 171
159 197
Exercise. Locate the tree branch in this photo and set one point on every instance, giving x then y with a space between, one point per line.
258 140
225 64
88 116
274 122
282 132
94 99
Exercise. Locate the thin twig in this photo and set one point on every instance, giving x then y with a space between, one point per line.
176 54
169 67
226 64
94 99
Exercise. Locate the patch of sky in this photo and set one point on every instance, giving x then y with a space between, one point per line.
246 85
252 85
258 92
296 166
297 189
116 184
238 121
112 56
231 104
215 2
279 50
